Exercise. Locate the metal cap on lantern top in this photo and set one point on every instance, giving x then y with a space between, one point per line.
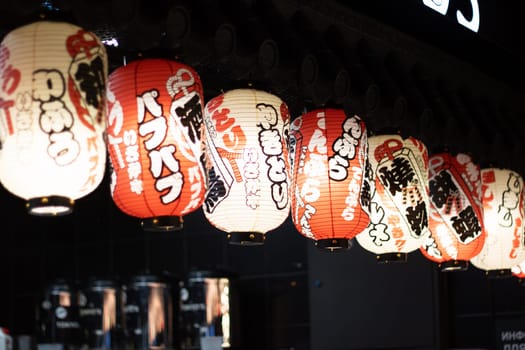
53 106
330 190
399 204
245 137
456 212
154 141
503 222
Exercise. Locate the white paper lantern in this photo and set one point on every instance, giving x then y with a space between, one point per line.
504 215
53 115
399 206
247 165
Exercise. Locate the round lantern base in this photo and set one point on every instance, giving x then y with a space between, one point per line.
391 257
500 273
50 206
333 244
162 224
453 265
246 238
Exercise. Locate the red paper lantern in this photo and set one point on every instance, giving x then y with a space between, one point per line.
154 141
330 188
399 205
456 212
246 164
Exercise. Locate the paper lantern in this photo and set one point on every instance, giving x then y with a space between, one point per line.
247 164
52 99
503 222
330 191
154 141
456 213
399 205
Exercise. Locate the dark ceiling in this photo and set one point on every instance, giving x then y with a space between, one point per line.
399 64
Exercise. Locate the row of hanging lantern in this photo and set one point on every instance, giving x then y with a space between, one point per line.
239 157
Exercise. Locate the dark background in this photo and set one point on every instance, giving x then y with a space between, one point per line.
409 68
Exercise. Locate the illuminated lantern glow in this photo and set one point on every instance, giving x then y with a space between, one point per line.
503 222
154 141
399 205
247 164
330 187
456 212
52 115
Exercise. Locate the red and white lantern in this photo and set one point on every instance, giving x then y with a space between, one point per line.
399 205
456 212
247 164
154 141
503 222
52 123
330 190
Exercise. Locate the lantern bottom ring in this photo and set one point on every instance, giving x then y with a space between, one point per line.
391 257
333 244
246 238
50 206
453 265
162 223
499 273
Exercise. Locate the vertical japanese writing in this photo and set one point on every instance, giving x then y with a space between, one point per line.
216 190
186 114
217 186
352 199
86 86
129 138
87 77
251 177
518 230
417 217
312 167
345 148
442 189
233 139
466 225
10 77
398 175
56 119
164 167
510 199
397 232
271 142
309 212
378 229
